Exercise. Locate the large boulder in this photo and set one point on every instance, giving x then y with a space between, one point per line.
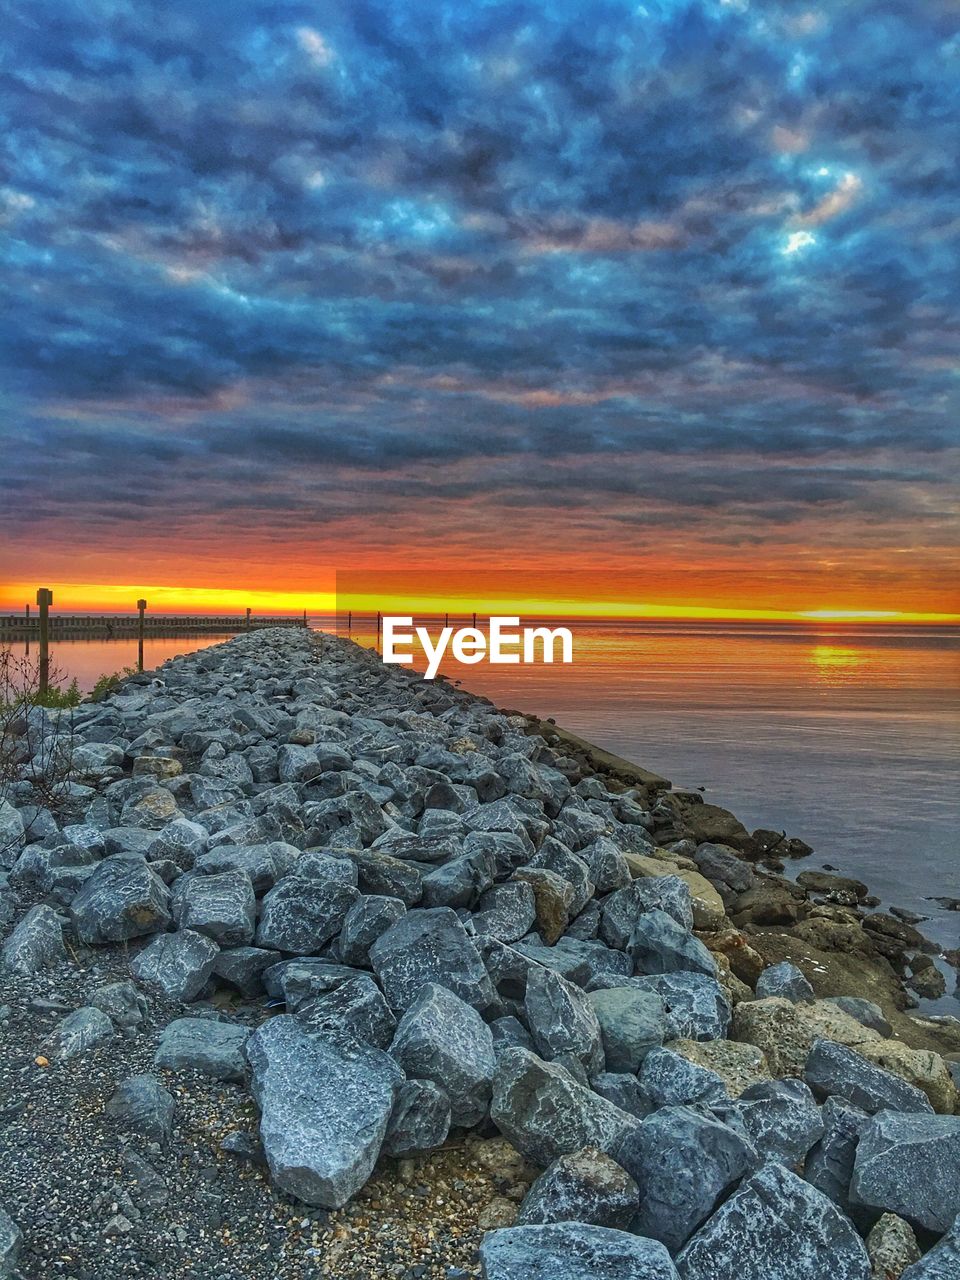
910 1165
775 1225
669 1079
829 1162
443 1039
943 1260
222 906
325 1104
781 1119
420 1120
212 1048
36 942
177 965
561 1020
300 914
832 1070
546 1113
631 1022
786 1031
573 1251
586 1186
684 1160
122 899
356 1007
369 917
695 1006
430 946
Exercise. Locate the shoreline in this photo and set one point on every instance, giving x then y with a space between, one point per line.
369 784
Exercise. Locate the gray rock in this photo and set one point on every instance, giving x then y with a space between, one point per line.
460 882
608 868
631 1022
580 962
36 942
356 1007
684 1161
380 874
213 1048
265 864
442 1039
510 1032
775 1225
430 946
178 965
324 1109
623 1091
865 1012
586 1186
221 906
369 917
317 865
670 1080
554 856
892 1247
141 1105
833 1070
122 1003
622 910
659 945
572 1251
829 1162
910 1165
420 1120
11 1242
785 980
122 899
943 1260
561 1020
781 1119
300 915
12 836
244 967
506 912
695 1006
545 1113
182 841
297 981
84 1029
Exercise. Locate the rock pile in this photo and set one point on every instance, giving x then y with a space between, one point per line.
466 926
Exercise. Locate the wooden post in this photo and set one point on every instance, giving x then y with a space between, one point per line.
474 619
304 617
141 606
349 619
26 648
379 621
248 618
44 600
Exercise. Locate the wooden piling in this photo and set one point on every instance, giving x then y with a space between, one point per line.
141 606
44 601
248 618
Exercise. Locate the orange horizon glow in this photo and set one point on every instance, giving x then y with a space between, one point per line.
74 597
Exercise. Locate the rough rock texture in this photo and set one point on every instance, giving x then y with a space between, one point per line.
574 1251
324 1109
121 899
213 1048
444 1040
142 1105
586 1186
943 1260
910 1165
177 964
300 915
546 1113
420 1119
11 1240
430 946
892 1247
562 1020
775 1225
221 906
36 942
832 1070
631 1023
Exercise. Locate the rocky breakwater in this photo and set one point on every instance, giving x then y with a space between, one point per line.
389 914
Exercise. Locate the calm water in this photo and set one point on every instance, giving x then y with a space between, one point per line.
846 736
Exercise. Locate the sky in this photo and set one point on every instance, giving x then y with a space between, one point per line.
649 306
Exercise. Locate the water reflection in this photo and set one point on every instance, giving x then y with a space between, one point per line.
835 666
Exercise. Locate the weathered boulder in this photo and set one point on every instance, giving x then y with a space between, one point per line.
36 942
683 1160
222 906
506 912
775 1225
324 1109
122 1003
631 1023
244 967
265 864
573 1250
695 1006
122 899
738 1065
892 1247
921 1068
84 1029
141 1105
833 1070
585 1186
553 898
546 1113
430 946
909 1164
781 1119
829 1162
420 1120
213 1048
623 910
786 981
561 1019
369 917
444 1040
786 1031
177 965
668 1079
355 1007
300 915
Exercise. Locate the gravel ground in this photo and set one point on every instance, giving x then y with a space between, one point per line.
94 1203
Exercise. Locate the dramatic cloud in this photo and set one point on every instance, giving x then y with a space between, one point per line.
417 274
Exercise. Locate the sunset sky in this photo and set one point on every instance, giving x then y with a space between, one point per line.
643 306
